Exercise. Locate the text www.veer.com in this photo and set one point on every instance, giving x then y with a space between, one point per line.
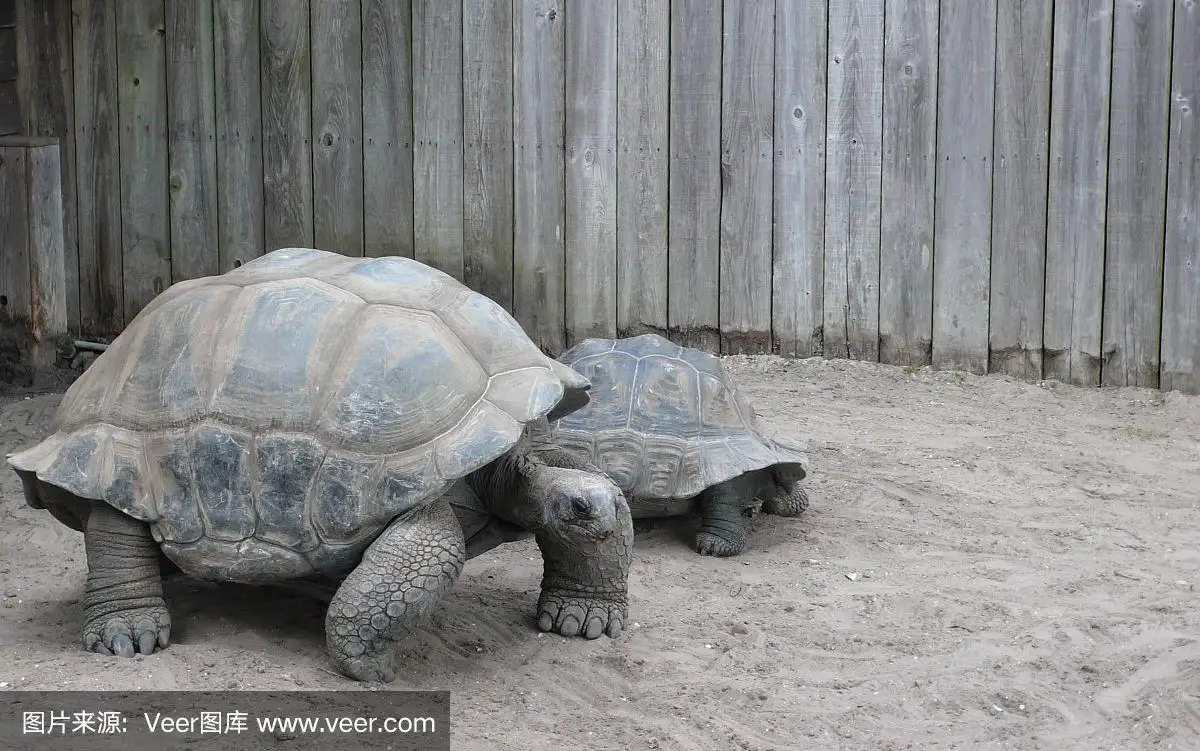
389 725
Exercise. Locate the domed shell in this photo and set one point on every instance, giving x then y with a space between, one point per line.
269 422
665 421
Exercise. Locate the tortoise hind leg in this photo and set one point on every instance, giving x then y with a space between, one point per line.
124 610
726 510
401 578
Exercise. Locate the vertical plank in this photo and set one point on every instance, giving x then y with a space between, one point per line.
8 53
387 128
32 272
591 180
15 294
643 78
438 128
797 279
694 175
10 108
142 109
747 151
1180 366
47 242
1022 138
337 127
539 100
962 237
98 168
488 149
191 139
909 162
239 133
1079 104
853 179
45 93
1137 174
287 125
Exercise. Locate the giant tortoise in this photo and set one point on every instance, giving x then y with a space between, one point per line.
670 427
318 418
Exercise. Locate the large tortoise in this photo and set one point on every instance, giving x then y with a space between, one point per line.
314 417
668 425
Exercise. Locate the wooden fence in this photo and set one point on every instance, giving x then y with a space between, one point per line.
1004 185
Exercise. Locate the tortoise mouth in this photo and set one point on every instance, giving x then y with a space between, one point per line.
588 530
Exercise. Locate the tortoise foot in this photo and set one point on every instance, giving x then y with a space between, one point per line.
124 633
377 669
575 614
709 544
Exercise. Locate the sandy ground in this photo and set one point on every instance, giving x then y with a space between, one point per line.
986 564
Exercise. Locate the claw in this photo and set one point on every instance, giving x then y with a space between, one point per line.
147 641
122 646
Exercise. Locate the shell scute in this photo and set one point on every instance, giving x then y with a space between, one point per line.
287 466
406 379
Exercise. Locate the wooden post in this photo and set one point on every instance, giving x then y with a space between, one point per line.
33 304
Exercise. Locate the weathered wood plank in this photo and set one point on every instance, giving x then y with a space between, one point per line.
488 149
1137 175
591 179
1180 366
337 126
15 295
45 93
10 110
191 139
32 269
286 124
539 211
388 128
98 168
962 237
1022 139
643 79
47 241
239 132
797 278
438 132
909 164
142 108
1075 225
694 213
8 53
853 179
747 155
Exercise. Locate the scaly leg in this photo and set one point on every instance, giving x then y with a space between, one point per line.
396 586
726 509
123 608
789 499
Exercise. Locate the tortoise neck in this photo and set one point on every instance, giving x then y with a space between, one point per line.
506 487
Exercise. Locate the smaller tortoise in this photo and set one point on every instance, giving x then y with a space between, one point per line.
312 417
669 426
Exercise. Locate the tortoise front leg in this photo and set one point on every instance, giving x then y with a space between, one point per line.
726 510
123 607
791 500
401 578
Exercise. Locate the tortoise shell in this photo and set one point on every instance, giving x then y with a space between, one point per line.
268 423
665 421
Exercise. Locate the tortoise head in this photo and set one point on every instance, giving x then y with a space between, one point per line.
578 505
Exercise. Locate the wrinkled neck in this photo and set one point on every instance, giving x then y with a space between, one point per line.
506 488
